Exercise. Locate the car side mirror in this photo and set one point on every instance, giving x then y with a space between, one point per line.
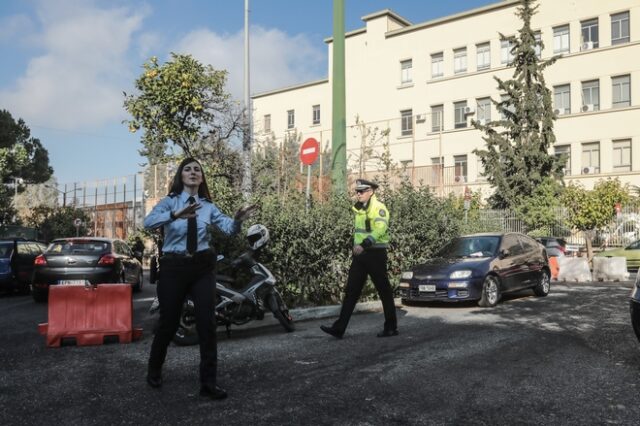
504 253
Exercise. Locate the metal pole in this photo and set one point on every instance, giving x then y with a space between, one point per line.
64 196
95 212
135 188
247 136
339 146
308 197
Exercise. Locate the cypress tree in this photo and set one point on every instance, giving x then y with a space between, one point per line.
516 158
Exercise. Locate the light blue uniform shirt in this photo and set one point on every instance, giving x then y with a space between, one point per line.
175 231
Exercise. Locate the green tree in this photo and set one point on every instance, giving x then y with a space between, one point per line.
516 158
589 211
183 103
23 160
58 222
539 211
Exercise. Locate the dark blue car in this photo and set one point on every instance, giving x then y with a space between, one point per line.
635 306
479 267
16 263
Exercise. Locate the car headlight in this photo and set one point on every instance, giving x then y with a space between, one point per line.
407 275
460 274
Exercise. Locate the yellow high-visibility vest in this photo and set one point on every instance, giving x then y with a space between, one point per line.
371 224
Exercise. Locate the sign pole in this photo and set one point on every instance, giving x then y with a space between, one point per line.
308 197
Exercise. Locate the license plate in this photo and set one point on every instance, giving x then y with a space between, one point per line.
72 282
427 287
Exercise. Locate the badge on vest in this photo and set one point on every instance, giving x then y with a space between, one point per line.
382 213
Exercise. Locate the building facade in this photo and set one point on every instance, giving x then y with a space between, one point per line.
425 82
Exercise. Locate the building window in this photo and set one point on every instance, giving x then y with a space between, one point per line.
622 155
538 44
564 150
460 60
460 116
436 118
316 114
561 39
267 123
562 99
483 52
506 57
621 88
591 95
437 68
590 158
460 168
405 71
590 34
291 119
484 110
620 28
407 122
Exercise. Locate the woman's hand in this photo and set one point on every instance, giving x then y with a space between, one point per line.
187 212
244 212
357 250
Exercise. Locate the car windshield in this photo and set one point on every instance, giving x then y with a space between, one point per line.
470 247
5 250
78 247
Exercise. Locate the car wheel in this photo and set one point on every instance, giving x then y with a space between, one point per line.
39 295
138 286
544 284
490 292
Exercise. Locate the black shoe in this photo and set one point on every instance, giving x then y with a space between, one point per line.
154 378
332 331
214 393
388 333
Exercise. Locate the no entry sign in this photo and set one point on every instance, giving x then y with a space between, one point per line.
309 151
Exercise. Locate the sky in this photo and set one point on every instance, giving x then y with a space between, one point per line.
66 63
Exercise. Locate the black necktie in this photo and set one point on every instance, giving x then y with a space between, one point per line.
192 231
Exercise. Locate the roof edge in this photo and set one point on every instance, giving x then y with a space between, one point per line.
288 88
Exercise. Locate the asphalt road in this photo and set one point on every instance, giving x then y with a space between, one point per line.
568 359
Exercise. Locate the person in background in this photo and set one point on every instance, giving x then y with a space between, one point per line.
370 242
187 266
138 249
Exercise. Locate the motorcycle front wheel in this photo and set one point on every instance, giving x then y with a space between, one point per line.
186 336
280 311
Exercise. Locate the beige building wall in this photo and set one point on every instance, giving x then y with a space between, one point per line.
599 142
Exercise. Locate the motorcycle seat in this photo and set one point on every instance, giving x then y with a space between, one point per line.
224 279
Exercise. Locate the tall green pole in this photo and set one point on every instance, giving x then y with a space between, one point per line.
339 122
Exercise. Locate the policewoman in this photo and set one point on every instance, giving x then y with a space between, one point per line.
187 266
370 242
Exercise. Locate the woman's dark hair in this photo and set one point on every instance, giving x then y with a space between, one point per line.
177 186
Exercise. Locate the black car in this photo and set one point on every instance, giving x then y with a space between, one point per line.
85 261
16 263
479 267
634 305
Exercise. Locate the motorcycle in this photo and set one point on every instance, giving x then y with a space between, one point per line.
238 307
634 305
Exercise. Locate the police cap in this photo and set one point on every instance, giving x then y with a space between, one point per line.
362 184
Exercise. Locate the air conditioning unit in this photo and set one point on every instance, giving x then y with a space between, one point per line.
482 121
560 111
420 118
588 107
460 179
587 45
469 110
588 170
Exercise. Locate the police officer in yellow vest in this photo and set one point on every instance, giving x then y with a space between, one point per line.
370 243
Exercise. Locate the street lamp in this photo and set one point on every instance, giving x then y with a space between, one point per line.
64 193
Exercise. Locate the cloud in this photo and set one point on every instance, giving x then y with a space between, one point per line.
13 26
77 82
277 59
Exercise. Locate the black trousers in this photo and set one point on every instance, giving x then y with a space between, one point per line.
372 262
179 277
